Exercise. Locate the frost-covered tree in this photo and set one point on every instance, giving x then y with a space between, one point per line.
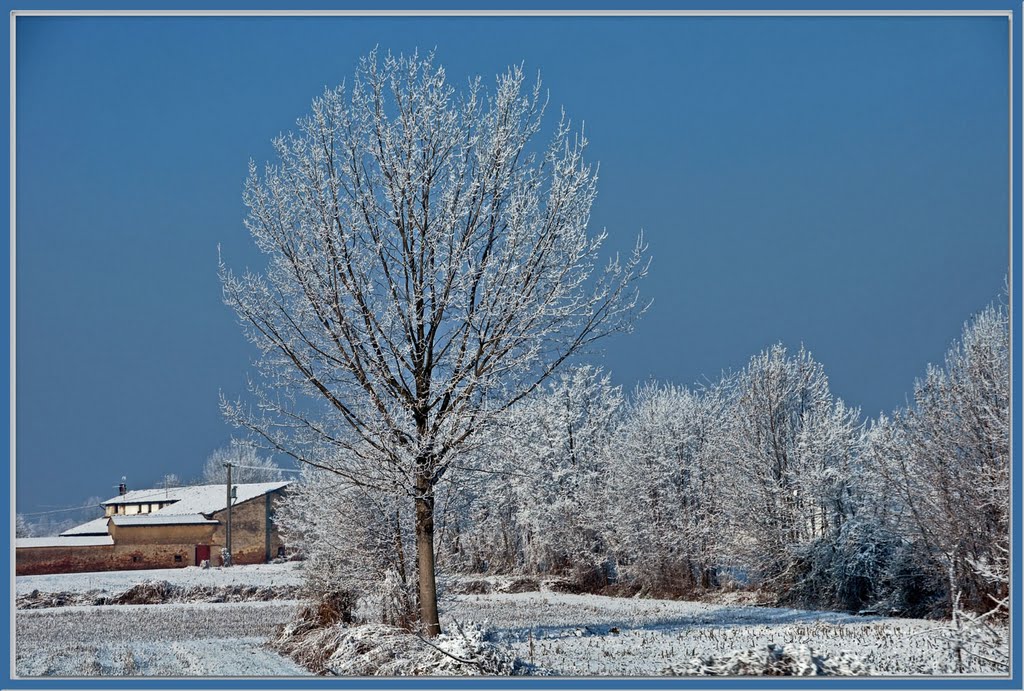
790 446
54 522
429 265
22 526
664 497
248 466
558 440
538 505
950 464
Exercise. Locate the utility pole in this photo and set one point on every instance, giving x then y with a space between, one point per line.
227 545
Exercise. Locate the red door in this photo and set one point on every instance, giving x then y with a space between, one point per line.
202 553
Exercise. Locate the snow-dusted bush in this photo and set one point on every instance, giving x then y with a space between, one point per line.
847 570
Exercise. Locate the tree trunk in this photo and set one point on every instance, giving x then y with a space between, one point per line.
425 556
399 549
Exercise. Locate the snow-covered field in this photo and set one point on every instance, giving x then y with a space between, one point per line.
582 635
115 582
152 640
179 639
571 635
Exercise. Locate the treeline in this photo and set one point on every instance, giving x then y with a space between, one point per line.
763 480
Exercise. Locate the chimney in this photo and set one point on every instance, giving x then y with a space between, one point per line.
122 489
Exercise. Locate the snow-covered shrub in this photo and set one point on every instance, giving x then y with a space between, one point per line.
913 585
397 607
328 608
847 570
790 660
149 592
381 650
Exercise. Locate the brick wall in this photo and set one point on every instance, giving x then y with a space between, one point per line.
123 557
35 560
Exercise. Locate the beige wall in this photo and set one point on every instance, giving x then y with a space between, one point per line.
200 534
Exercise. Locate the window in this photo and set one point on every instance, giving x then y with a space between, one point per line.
136 558
177 558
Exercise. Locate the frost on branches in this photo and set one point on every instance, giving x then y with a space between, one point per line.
428 266
764 480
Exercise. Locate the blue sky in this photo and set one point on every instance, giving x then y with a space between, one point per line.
836 182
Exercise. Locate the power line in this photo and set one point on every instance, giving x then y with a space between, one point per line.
73 508
269 470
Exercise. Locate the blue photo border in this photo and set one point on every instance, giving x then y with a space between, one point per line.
1015 11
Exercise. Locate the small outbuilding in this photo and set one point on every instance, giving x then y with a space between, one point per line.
163 528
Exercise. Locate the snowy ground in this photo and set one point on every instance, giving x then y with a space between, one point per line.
571 635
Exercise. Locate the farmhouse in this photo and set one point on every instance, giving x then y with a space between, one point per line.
163 528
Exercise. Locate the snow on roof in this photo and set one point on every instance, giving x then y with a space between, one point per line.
95 527
62 541
209 499
142 496
158 518
204 499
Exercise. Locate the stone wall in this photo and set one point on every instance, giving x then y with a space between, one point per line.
249 526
